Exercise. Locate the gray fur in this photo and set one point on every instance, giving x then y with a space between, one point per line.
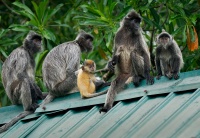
18 77
60 65
169 60
133 60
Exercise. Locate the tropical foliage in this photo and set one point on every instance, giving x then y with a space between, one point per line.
59 21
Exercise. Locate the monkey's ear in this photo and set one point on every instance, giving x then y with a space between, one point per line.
156 39
163 30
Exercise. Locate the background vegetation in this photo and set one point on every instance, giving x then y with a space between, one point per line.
59 21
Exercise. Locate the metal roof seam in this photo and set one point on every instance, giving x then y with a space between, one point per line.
160 127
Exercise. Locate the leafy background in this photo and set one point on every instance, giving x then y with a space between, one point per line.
59 21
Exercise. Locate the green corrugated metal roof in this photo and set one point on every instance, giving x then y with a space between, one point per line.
171 108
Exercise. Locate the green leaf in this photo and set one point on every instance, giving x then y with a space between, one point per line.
113 5
7 42
49 35
20 28
51 13
42 10
155 15
3 32
20 5
36 8
39 60
3 53
123 12
184 34
95 23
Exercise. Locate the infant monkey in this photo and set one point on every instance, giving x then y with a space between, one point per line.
86 80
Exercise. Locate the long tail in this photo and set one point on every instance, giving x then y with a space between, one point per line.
89 95
14 120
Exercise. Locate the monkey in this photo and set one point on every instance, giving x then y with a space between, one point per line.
169 60
86 80
133 61
60 65
18 77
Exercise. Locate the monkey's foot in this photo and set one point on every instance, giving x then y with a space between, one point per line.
104 109
169 75
158 77
176 76
150 80
34 106
136 81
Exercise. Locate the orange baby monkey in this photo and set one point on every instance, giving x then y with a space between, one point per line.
86 80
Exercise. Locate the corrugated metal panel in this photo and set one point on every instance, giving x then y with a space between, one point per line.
172 112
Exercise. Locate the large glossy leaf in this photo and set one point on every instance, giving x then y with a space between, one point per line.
50 13
48 35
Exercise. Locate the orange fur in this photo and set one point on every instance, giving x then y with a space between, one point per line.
86 79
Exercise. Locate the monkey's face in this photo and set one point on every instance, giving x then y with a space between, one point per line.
132 21
89 66
89 45
163 40
37 43
84 40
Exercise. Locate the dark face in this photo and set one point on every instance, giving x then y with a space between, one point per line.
89 45
37 43
85 42
164 40
132 20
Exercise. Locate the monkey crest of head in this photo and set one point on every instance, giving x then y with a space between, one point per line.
132 21
84 40
164 39
33 42
89 66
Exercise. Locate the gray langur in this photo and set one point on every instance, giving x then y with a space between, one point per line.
169 58
18 77
133 59
60 65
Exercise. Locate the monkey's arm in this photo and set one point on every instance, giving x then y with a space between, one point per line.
158 66
100 84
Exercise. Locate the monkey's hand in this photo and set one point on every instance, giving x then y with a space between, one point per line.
150 80
158 77
111 66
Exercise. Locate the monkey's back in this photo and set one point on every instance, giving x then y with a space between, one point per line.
62 58
16 63
85 83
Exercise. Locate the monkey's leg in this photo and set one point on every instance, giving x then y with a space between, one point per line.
116 85
36 91
26 96
48 99
175 67
166 69
158 68
137 68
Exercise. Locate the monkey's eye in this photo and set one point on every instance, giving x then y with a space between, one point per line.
36 40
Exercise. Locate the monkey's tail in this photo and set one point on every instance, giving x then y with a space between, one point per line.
89 95
14 120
